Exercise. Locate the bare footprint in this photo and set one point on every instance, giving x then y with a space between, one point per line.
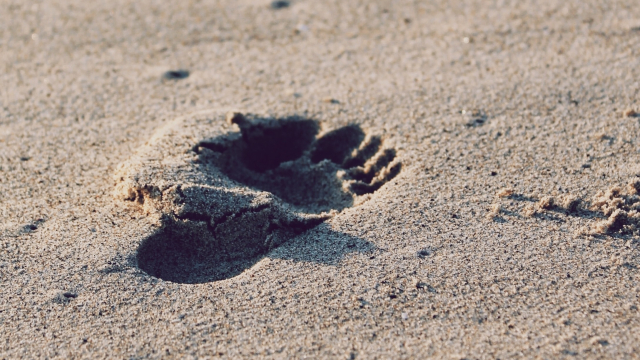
225 197
313 175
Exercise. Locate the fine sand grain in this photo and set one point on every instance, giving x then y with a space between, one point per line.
319 179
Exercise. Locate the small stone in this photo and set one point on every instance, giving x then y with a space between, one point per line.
330 100
506 192
424 253
176 74
29 228
630 113
279 4
64 297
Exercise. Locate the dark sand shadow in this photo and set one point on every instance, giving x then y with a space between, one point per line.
167 258
286 157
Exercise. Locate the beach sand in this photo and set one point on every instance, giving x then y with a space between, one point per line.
482 201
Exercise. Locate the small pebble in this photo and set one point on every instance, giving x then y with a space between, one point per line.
279 4
330 100
29 228
176 74
424 253
64 297
630 113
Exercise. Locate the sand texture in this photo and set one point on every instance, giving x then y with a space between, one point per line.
319 179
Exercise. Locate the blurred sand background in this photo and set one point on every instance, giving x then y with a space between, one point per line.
498 110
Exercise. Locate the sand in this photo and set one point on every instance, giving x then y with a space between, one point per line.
461 180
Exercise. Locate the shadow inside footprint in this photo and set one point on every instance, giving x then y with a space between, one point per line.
286 158
163 256
266 148
336 145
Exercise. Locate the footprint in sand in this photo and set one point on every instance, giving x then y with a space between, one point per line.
224 196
